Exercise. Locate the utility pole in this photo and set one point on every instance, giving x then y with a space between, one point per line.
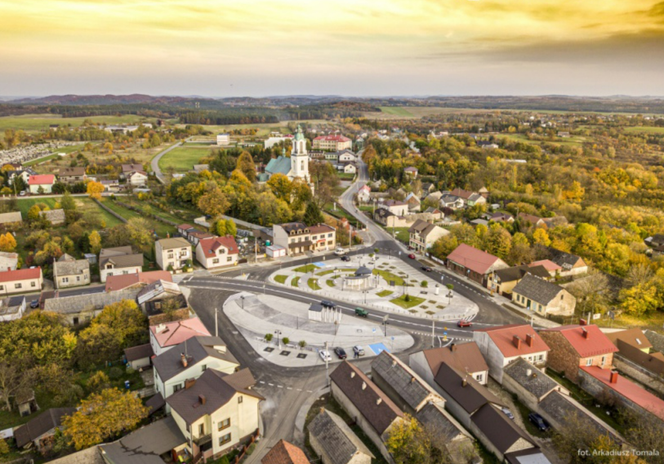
216 323
327 372
433 332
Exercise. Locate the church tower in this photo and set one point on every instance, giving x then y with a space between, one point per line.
299 157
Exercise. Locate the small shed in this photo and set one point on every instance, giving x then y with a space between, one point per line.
139 357
275 251
315 312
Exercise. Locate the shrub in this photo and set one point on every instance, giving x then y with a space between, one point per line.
251 449
302 343
285 340
424 283
115 373
98 381
406 298
268 337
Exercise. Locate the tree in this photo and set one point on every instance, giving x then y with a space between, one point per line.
99 381
444 246
410 443
33 212
498 241
95 189
281 186
591 292
312 215
7 242
214 203
94 240
245 163
140 234
67 202
541 237
103 416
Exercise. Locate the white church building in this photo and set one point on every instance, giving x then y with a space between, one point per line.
295 167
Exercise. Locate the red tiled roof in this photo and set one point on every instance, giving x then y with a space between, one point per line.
20 274
41 179
285 453
320 228
118 282
333 138
471 258
503 337
629 390
185 227
465 194
596 344
210 245
174 333
548 265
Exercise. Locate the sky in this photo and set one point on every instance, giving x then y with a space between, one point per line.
343 47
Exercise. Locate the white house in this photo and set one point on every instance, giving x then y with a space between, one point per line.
163 337
8 261
217 252
364 194
21 281
119 261
172 253
223 139
41 183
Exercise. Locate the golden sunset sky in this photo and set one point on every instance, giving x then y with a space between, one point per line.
346 47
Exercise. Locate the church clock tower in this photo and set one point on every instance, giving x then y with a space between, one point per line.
299 157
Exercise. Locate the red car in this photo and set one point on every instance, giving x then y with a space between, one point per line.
463 323
411 256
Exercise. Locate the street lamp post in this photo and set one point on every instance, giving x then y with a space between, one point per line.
278 333
242 299
216 322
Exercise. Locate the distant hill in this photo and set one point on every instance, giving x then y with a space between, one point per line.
83 100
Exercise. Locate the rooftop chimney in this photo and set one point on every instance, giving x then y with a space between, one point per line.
189 383
184 360
583 322
517 342
453 347
529 339
202 399
465 382
585 332
614 377
379 400
412 380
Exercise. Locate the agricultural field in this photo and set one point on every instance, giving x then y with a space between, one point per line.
263 129
182 159
644 130
32 123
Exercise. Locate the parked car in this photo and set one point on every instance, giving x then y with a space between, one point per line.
22 194
410 247
507 412
345 258
340 352
361 312
411 256
340 251
358 350
34 304
426 269
463 323
327 303
539 422
325 355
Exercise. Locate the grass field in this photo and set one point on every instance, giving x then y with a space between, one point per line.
397 111
281 279
412 301
313 284
84 205
306 268
295 281
40 122
159 227
644 130
263 130
182 159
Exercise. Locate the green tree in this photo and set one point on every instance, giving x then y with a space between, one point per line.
245 163
67 202
312 215
214 202
103 416
33 212
498 241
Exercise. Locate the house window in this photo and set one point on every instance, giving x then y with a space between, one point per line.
125 272
215 261
479 377
75 320
109 274
203 367
170 256
589 362
2 287
603 360
177 387
33 284
240 399
19 285
229 259
78 278
224 424
65 280
540 357
225 439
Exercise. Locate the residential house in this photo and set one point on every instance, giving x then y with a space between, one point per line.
217 412
423 235
600 381
72 175
23 173
81 309
504 344
119 261
8 261
41 183
633 337
156 443
110 185
136 280
223 139
134 174
217 252
334 442
159 297
427 188
183 230
364 194
433 197
530 219
297 237
502 217
55 216
375 413
346 156
574 346
92 455
198 168
7 219
469 198
39 432
388 219
572 265
71 272
487 145
550 266
188 360
464 357
21 281
543 297
12 308
397 207
286 453
139 357
503 281
413 202
450 201
348 168
555 221
638 358
172 254
165 336
195 236
411 172
478 410
332 143
475 264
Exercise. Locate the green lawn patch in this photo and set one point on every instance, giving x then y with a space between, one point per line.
313 284
330 283
41 160
412 301
384 293
84 205
281 279
306 268
322 273
430 313
397 111
159 227
296 281
440 307
182 159
389 276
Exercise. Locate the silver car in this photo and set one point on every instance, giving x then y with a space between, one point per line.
325 355
358 350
